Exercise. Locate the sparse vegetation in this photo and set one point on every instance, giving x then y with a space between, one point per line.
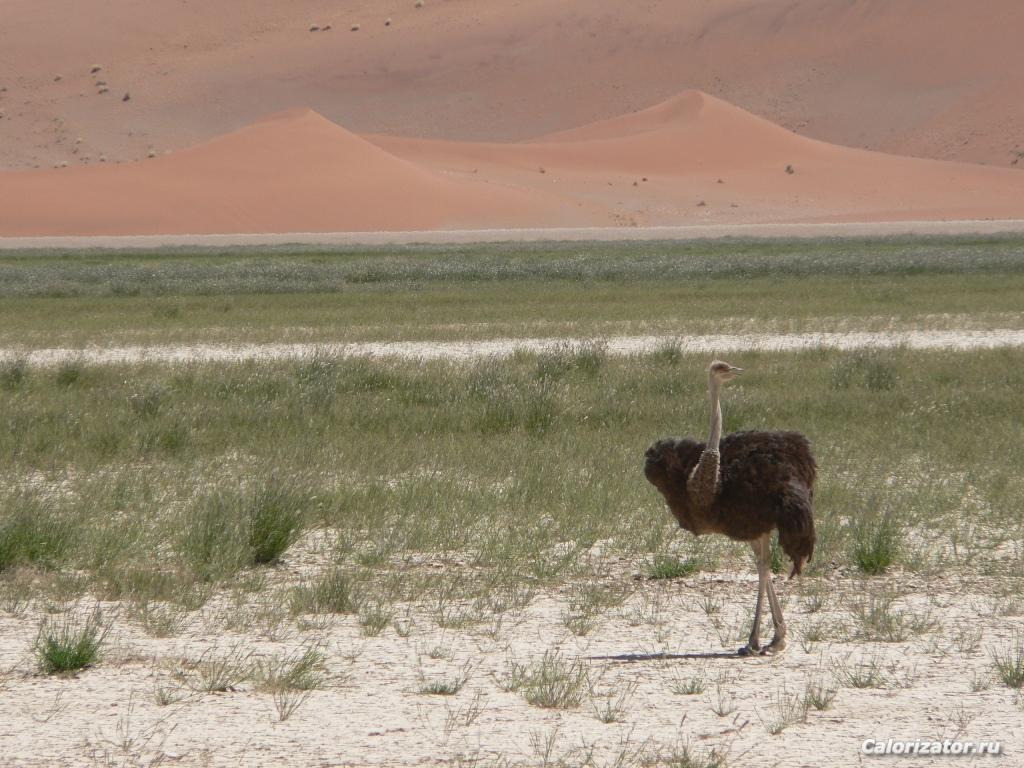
217 670
820 693
299 671
876 543
552 682
446 685
69 643
665 567
786 709
329 593
691 685
1008 661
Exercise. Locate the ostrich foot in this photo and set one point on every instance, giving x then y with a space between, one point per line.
750 649
777 645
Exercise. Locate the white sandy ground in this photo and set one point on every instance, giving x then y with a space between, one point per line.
371 712
469 350
554 234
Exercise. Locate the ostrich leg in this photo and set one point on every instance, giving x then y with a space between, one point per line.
762 558
779 641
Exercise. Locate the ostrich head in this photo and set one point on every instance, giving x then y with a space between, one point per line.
668 462
723 372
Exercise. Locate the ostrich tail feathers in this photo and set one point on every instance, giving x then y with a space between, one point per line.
796 528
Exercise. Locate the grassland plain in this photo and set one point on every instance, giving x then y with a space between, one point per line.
478 292
352 561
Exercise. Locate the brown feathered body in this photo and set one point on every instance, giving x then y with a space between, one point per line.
764 481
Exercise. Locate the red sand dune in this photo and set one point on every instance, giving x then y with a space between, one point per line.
929 78
294 172
692 159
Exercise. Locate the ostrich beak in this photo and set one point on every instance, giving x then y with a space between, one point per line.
734 370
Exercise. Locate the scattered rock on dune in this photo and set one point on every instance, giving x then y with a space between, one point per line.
326 28
103 89
419 3
95 68
387 22
702 204
126 97
151 153
355 27
315 28
790 169
57 78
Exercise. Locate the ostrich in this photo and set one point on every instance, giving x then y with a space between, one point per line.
742 486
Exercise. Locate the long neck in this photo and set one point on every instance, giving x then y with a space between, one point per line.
714 392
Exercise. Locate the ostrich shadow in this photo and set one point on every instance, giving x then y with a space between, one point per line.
634 658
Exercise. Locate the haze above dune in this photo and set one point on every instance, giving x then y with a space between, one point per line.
931 78
692 159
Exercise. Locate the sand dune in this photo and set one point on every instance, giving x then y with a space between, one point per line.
290 173
932 78
695 159
692 159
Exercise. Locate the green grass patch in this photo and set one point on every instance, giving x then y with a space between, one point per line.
69 644
669 567
487 291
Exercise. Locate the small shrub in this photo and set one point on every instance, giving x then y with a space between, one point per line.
613 708
788 709
299 671
331 593
374 618
666 567
553 683
820 694
684 756
876 543
866 673
69 644
689 686
1009 662
445 686
880 622
217 672
274 522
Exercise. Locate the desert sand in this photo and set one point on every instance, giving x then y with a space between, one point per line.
928 78
693 159
141 705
